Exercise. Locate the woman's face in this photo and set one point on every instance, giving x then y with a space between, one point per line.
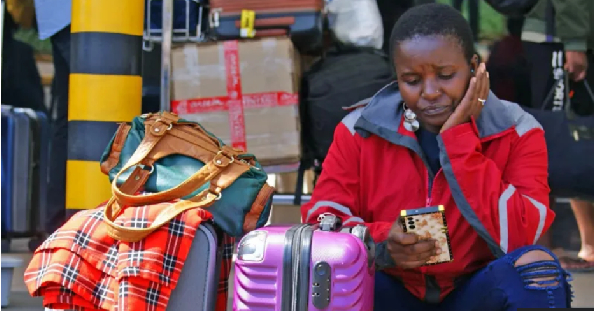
433 77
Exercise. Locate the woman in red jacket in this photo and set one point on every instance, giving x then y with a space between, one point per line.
437 136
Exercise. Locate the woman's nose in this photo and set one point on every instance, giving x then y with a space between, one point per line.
431 90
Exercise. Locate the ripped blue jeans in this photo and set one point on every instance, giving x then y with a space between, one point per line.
498 287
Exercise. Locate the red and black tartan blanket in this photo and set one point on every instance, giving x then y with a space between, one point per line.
80 267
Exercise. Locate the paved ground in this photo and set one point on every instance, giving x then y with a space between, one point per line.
583 283
21 301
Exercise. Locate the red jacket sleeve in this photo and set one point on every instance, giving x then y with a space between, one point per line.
338 187
510 205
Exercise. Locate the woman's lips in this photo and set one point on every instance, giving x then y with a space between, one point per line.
435 110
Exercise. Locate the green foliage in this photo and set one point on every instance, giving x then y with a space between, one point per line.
492 24
30 36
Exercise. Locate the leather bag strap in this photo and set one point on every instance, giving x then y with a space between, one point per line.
129 234
207 173
158 130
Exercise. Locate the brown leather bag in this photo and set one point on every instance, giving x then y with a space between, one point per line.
301 19
166 135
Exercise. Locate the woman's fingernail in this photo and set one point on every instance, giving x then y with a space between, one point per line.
439 251
488 74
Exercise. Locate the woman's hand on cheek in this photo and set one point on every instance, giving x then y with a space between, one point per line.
479 88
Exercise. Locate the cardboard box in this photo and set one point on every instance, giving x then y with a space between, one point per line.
245 92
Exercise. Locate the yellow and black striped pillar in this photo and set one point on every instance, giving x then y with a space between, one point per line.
105 87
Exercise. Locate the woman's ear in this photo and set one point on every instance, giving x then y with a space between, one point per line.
475 60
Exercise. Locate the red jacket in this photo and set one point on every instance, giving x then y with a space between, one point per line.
493 184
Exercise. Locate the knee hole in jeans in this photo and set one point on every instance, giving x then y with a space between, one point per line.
539 270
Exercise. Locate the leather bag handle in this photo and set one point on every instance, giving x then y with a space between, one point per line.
188 186
135 181
129 234
157 130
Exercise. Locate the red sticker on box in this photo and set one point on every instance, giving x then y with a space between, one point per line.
235 102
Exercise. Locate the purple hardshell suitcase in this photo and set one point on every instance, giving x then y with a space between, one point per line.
305 268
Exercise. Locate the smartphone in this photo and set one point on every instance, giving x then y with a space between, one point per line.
429 223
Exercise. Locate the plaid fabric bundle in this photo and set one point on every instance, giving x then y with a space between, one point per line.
80 267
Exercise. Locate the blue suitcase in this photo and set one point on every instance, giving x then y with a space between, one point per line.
25 150
7 169
16 153
40 129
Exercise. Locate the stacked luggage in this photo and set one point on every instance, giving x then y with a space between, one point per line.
219 20
262 75
314 49
240 69
218 42
25 143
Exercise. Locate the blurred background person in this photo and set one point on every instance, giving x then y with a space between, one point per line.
558 36
53 20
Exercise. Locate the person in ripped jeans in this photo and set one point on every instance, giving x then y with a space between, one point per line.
437 136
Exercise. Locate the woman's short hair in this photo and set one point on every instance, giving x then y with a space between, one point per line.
431 20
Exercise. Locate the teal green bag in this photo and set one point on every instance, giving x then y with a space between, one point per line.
170 158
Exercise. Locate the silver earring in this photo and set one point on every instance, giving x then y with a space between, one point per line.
410 120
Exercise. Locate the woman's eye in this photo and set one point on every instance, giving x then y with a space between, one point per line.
412 81
446 76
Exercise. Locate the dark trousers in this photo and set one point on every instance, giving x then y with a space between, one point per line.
61 54
546 65
498 287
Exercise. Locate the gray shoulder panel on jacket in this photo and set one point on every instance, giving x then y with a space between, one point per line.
525 122
350 119
359 104
500 115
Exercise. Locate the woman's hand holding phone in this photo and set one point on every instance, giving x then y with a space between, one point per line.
407 250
